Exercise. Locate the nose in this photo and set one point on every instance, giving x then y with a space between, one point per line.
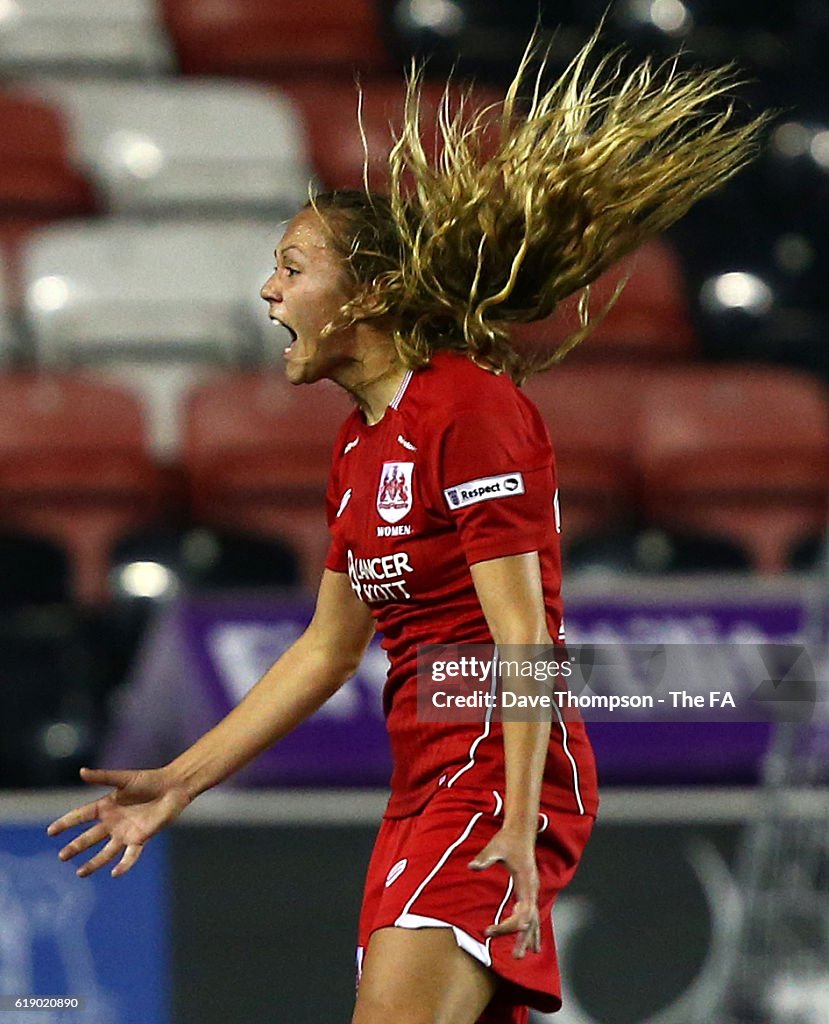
270 290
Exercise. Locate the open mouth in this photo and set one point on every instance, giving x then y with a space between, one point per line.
288 328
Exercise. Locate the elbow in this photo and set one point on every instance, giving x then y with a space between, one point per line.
347 666
520 635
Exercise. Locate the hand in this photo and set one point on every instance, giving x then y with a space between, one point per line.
141 804
516 851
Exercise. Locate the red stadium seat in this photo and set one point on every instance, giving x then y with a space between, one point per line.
650 320
274 40
329 107
14 233
37 179
74 468
592 415
38 182
739 452
257 453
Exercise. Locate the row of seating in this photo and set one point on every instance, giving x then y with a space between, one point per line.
743 454
163 305
271 39
178 143
140 37
196 148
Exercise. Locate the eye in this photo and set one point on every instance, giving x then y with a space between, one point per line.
290 271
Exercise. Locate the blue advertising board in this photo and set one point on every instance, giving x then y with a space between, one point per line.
99 939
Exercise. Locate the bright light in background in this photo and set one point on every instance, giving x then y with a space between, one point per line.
8 10
61 739
136 152
50 293
441 16
819 148
146 579
791 139
737 290
670 16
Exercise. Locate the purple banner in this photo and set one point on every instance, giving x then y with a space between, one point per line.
203 655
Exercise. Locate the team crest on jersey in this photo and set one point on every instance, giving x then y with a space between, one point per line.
394 495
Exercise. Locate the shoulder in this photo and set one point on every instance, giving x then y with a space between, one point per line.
453 389
453 383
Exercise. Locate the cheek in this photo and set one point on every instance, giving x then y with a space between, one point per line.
327 306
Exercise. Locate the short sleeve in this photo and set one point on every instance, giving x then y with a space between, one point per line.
495 478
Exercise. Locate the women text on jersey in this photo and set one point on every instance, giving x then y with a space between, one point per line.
459 470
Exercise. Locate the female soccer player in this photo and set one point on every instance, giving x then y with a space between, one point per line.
443 513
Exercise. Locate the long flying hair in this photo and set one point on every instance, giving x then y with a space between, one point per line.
530 201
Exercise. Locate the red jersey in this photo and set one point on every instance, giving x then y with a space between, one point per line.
459 470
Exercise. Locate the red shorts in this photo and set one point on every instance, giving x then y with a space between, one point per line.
418 877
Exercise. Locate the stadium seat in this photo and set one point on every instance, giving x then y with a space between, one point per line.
592 415
188 147
47 710
38 181
74 469
37 178
156 304
257 454
737 452
197 559
14 233
151 565
486 38
329 107
8 334
60 37
653 551
650 321
34 571
809 554
275 40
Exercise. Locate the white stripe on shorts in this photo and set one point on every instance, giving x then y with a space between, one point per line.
443 859
477 949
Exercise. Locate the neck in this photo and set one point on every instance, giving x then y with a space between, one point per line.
373 380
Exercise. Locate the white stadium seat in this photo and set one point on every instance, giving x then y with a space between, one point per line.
158 304
188 146
82 37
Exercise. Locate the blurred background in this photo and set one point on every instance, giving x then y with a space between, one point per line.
161 501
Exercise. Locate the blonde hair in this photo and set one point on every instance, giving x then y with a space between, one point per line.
526 205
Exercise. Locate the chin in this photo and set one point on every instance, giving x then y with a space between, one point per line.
300 372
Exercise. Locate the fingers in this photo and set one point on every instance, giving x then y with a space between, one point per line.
83 842
95 835
106 777
523 920
78 816
104 856
485 860
131 855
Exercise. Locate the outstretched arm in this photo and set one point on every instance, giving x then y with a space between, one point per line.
307 674
511 595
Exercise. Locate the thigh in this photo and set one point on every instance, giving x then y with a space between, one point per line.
421 977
